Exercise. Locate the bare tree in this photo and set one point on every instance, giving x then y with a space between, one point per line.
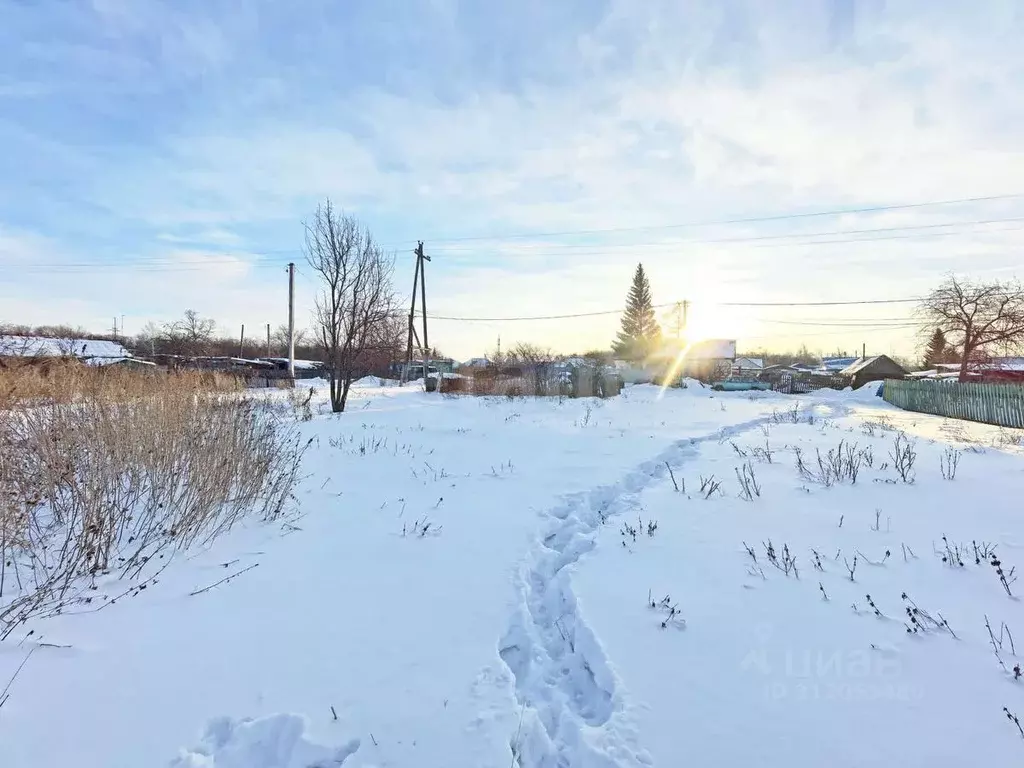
357 302
280 338
525 353
197 331
977 319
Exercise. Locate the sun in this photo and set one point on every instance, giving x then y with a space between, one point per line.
707 320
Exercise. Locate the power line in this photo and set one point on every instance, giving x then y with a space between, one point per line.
145 266
861 324
165 265
849 332
673 303
601 249
756 238
903 319
157 264
744 220
814 303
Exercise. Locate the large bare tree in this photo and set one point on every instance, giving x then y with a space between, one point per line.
978 319
356 306
195 331
191 335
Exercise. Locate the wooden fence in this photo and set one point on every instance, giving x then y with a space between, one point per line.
1001 404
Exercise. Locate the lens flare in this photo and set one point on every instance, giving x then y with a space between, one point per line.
674 370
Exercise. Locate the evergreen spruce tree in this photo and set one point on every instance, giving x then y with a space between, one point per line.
938 349
640 332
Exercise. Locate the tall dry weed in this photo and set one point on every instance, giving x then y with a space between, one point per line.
64 381
116 475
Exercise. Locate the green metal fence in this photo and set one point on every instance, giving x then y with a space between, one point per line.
1001 404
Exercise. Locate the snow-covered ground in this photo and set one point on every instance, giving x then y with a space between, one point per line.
468 582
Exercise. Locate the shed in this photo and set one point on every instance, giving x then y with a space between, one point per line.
92 352
877 368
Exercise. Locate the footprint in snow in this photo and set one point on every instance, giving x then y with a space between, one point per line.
276 741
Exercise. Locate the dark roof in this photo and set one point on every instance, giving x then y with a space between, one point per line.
868 363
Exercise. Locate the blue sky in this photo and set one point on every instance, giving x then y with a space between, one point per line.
162 156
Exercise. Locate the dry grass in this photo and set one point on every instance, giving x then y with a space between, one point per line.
114 474
60 381
505 386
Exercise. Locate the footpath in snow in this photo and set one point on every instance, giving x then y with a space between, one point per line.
491 582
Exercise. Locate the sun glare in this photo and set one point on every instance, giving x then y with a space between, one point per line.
714 321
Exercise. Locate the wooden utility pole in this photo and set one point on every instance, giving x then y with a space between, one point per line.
241 342
411 334
419 280
420 257
291 321
268 339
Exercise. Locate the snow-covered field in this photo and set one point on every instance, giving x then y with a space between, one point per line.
492 582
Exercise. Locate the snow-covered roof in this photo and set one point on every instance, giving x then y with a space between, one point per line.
476 362
995 364
749 362
92 351
864 362
859 365
242 361
712 349
1007 363
300 365
837 363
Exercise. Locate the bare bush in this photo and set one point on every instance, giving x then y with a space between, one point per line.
948 463
301 402
903 457
765 454
920 621
998 650
104 486
784 561
1005 578
839 464
749 487
709 486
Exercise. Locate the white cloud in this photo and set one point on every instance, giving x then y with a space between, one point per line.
666 112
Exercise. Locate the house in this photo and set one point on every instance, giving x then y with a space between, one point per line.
802 367
92 352
706 360
996 370
747 366
877 368
414 370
